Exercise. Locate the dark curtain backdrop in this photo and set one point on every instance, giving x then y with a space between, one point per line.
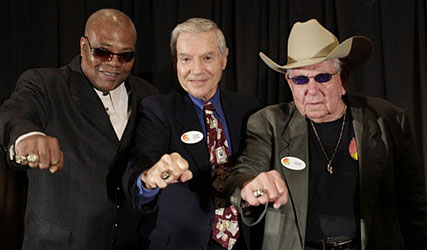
46 34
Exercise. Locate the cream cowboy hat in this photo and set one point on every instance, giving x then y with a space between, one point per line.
310 43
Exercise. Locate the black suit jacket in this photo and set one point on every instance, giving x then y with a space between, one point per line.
182 215
82 206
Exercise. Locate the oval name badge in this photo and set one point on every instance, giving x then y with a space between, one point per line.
191 137
293 163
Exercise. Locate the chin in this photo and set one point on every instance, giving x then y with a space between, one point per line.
316 115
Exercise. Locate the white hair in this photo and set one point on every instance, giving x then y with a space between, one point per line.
197 25
336 62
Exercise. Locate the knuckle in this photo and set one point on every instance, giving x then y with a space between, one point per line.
175 155
272 196
43 166
166 159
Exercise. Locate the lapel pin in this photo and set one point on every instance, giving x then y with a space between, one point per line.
352 149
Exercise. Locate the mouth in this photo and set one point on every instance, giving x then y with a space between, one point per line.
109 75
314 103
198 82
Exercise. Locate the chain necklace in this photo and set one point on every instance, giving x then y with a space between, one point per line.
329 166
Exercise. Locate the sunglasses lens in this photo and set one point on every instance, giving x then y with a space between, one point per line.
321 78
126 57
105 55
102 54
300 80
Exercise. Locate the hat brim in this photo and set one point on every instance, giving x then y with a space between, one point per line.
354 52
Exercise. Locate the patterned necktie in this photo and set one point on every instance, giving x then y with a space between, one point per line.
225 229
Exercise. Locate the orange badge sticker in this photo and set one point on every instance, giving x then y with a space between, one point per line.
352 149
185 138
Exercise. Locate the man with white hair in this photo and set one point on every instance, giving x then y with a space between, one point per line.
184 144
330 170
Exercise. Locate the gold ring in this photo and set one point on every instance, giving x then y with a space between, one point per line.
21 159
165 174
33 158
258 192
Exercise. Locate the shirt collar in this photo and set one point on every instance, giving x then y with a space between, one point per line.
215 100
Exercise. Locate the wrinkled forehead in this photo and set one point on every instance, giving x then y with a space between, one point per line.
322 67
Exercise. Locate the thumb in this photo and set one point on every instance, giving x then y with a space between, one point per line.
186 176
282 200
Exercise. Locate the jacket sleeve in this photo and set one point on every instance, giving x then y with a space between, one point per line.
150 142
255 158
26 110
410 187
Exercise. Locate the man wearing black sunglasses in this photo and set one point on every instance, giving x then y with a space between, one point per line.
77 122
330 170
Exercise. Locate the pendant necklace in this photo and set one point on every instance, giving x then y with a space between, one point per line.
329 166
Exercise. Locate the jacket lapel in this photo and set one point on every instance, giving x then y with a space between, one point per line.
295 143
187 120
372 156
133 106
89 104
233 121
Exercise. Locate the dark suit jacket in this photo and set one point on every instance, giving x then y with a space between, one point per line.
82 206
393 206
183 213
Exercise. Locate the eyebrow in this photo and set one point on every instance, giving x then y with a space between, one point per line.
109 46
209 53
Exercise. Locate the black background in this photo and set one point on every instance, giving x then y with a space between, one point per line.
46 34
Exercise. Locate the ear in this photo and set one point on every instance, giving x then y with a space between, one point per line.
288 80
82 44
224 59
343 91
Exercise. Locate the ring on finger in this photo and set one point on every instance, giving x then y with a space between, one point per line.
259 192
21 159
33 158
165 174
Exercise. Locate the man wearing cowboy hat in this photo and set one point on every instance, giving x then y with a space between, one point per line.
330 170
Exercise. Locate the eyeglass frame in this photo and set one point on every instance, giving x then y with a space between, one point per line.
314 77
120 56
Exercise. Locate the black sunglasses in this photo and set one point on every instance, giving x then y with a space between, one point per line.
106 55
320 78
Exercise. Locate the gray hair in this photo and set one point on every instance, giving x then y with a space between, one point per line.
197 25
336 62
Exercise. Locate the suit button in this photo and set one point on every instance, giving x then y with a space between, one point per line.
210 222
116 225
118 188
118 206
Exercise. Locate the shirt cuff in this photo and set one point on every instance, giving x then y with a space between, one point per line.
145 195
22 137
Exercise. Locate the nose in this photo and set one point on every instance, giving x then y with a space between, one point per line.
114 61
312 86
197 67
